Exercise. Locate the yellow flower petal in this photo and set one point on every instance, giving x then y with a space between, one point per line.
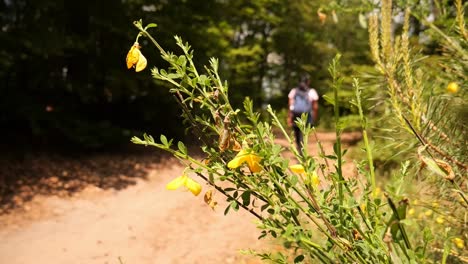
440 220
363 207
238 160
193 186
236 163
411 211
315 179
177 182
133 55
453 87
135 58
253 161
459 242
297 168
141 64
184 180
376 192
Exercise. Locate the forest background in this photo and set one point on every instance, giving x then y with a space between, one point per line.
65 86
65 82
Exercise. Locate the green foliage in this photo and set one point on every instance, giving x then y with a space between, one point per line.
63 71
342 219
421 117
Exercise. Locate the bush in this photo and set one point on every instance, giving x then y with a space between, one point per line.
321 214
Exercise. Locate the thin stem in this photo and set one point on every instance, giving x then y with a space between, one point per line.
316 249
221 190
288 138
400 226
339 172
364 134
146 34
321 150
332 236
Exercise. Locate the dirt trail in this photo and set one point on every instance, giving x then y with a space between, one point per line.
141 224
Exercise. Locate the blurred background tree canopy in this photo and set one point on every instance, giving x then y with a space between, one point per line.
64 79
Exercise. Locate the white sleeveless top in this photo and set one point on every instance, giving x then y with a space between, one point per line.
313 96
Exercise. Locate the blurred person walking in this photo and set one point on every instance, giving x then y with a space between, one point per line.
302 100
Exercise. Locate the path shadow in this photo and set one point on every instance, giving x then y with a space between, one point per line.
49 173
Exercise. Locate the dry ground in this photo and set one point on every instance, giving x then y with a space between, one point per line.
101 208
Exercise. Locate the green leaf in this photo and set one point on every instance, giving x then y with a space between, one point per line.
335 148
182 148
273 233
246 198
174 75
151 25
329 99
137 140
235 205
294 180
262 235
226 211
203 80
182 61
163 140
408 222
299 259
148 138
289 230
362 21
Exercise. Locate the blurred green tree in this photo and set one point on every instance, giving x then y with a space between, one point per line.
64 78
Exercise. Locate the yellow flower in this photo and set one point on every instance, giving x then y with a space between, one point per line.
363 207
411 211
253 161
458 242
428 213
315 179
440 220
297 168
186 181
135 58
453 87
376 193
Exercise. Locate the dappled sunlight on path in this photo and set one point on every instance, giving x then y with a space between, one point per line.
143 223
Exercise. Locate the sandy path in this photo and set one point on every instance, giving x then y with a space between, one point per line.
141 224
